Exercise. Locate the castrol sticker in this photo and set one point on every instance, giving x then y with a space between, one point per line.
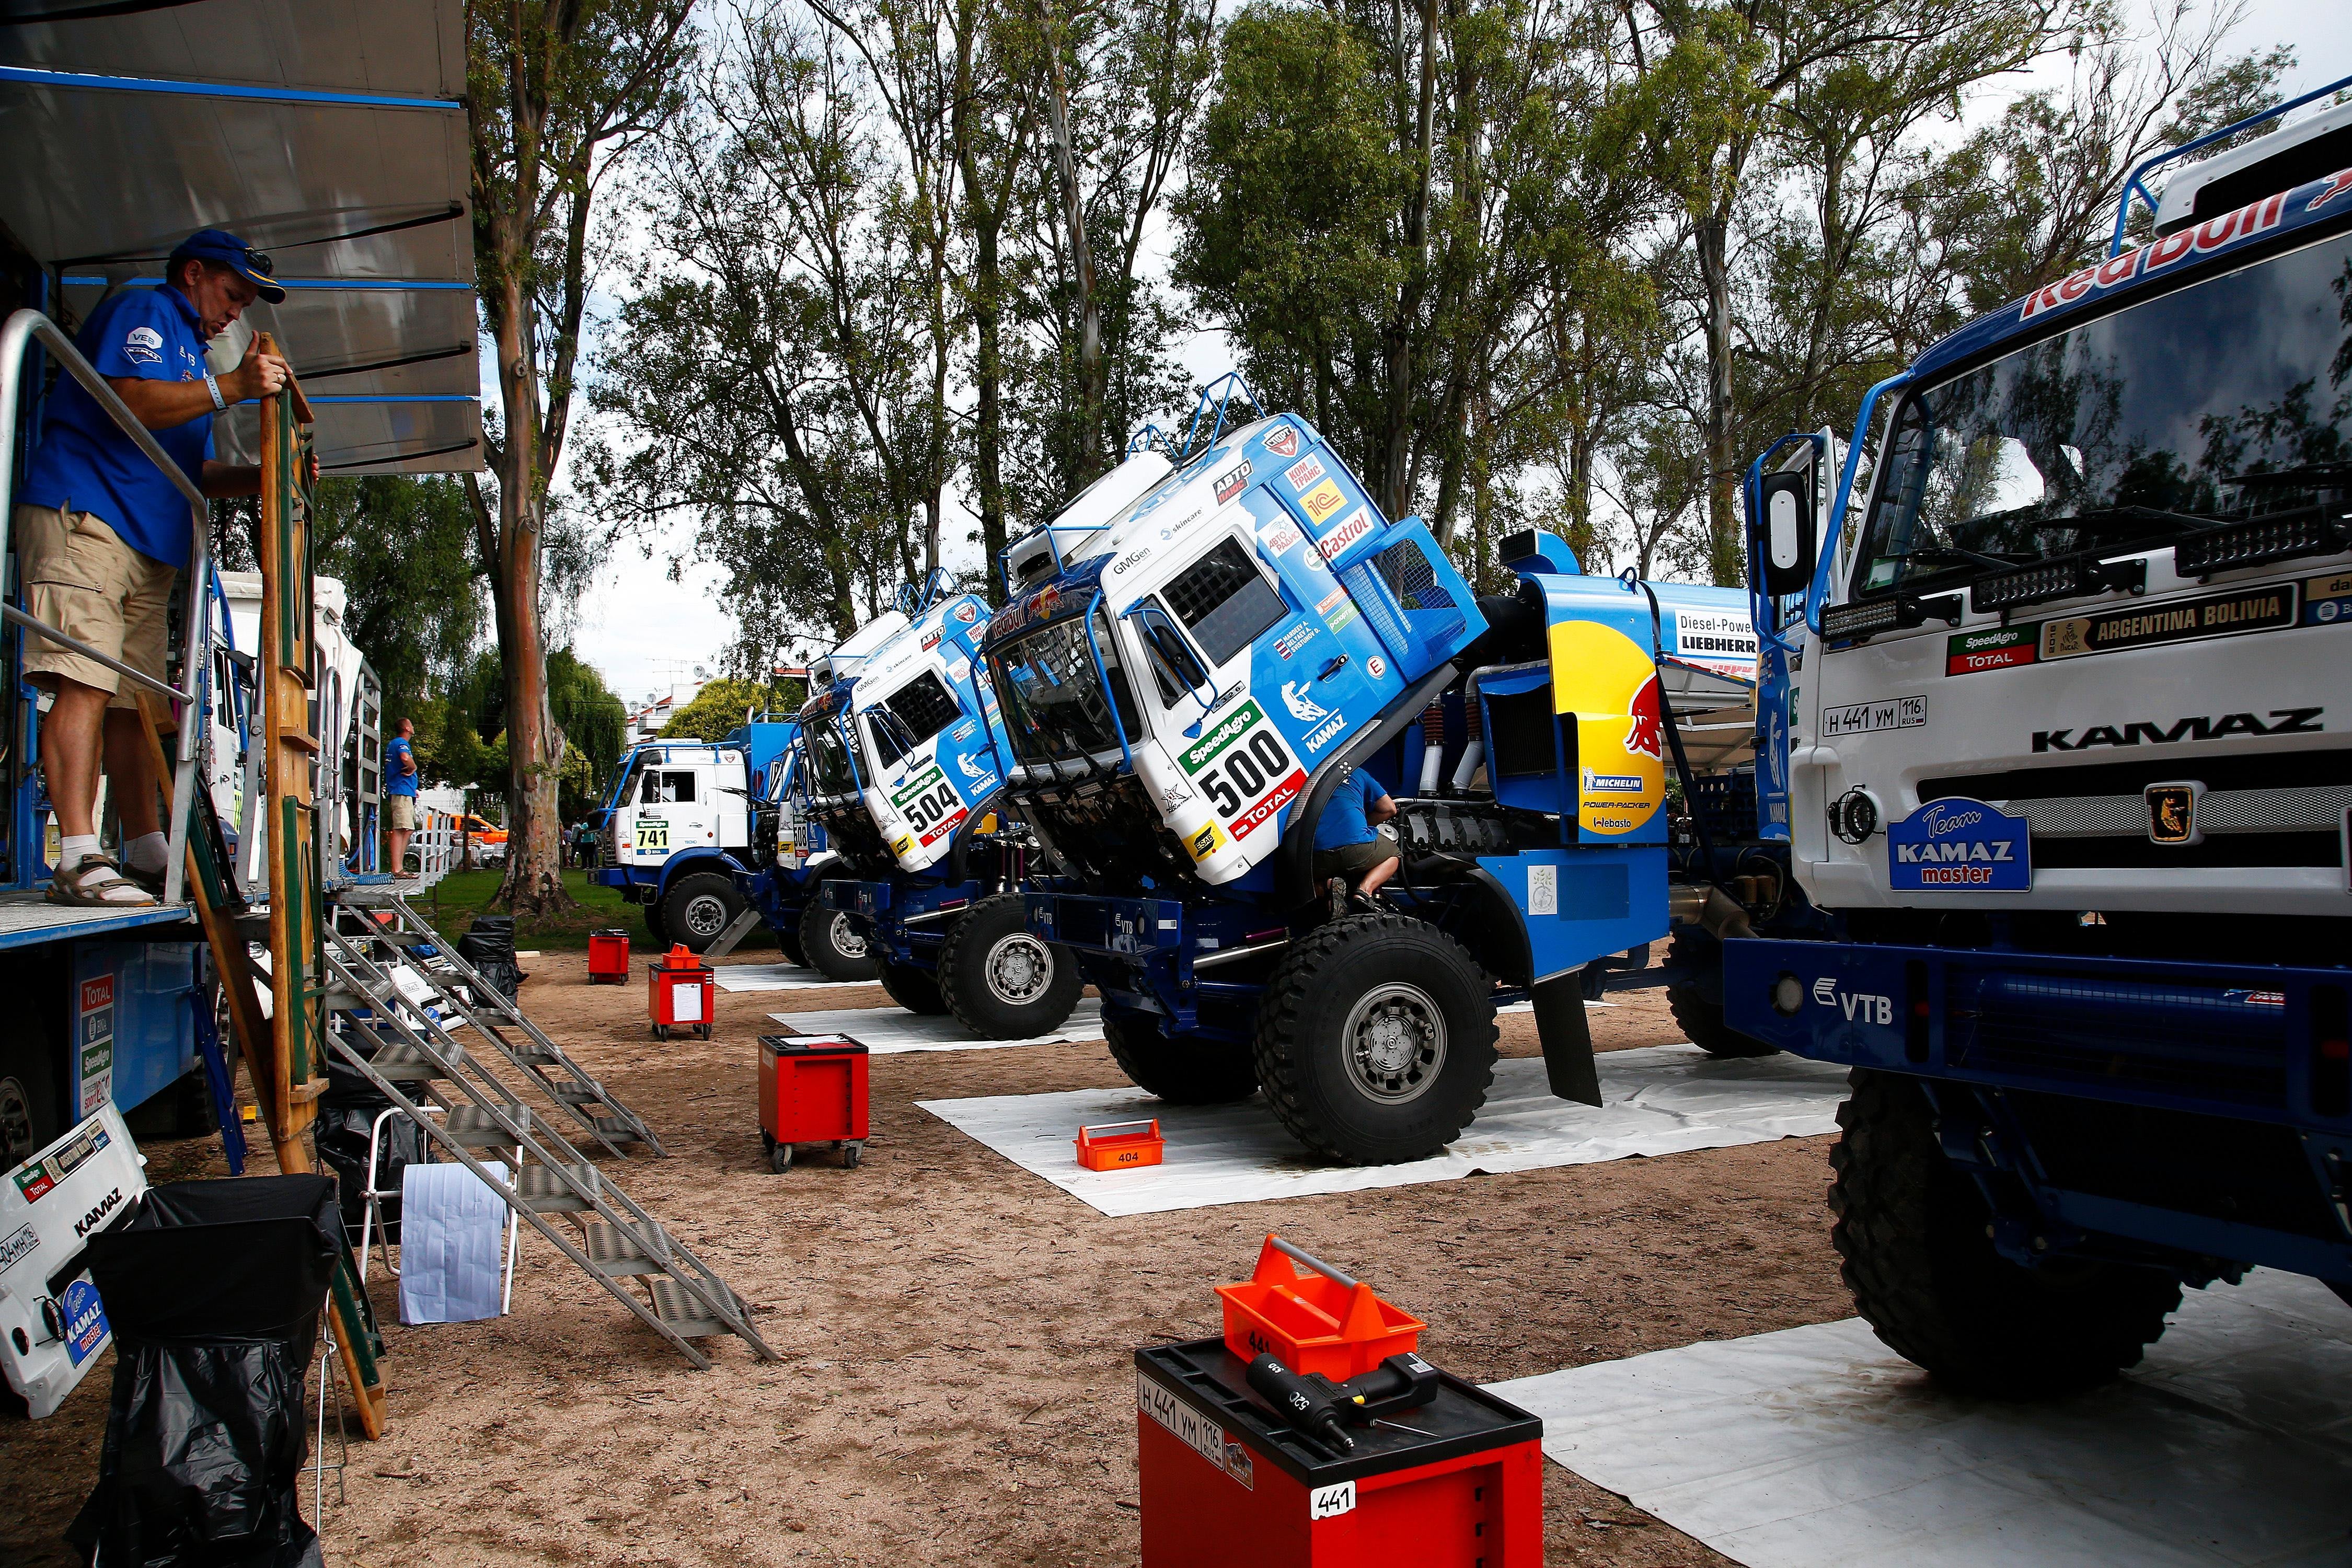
1358 524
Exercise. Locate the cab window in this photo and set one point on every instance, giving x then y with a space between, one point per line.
667 787
1223 601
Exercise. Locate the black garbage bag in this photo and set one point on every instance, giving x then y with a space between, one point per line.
347 1111
489 946
213 1289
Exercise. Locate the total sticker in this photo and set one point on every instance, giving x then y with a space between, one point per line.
1329 1502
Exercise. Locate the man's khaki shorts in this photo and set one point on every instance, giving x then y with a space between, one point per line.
81 578
1353 861
400 812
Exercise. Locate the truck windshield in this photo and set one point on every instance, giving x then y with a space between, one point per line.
2226 400
829 770
909 716
1053 699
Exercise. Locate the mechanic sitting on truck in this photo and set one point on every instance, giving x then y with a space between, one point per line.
1349 847
101 534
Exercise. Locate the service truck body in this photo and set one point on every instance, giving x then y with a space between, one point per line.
2067 775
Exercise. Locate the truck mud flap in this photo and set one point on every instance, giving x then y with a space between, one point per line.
1566 1037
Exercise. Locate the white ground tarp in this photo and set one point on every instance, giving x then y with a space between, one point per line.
1660 1100
777 977
1819 1448
885 1031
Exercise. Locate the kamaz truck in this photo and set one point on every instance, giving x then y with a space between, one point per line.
904 769
2067 778
676 836
1190 668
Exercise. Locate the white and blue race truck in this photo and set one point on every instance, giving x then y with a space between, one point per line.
695 833
1191 664
2066 777
903 770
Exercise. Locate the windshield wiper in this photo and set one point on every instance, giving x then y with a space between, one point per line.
1954 552
2315 475
2116 521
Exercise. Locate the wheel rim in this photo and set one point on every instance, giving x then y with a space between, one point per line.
706 915
1395 1043
845 939
1019 969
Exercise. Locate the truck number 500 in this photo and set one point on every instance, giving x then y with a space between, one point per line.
1242 777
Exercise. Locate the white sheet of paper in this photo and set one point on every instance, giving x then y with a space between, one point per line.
777 977
886 1031
1819 1448
1659 1100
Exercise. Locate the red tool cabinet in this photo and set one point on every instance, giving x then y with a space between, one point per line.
680 993
812 1090
1456 1483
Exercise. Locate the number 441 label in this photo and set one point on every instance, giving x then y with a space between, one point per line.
1329 1502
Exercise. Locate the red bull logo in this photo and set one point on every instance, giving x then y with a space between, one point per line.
1608 684
1644 738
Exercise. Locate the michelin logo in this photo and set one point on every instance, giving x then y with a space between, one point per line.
1303 708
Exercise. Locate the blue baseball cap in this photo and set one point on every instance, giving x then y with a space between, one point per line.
217 245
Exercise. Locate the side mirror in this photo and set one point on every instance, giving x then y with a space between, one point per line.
1788 532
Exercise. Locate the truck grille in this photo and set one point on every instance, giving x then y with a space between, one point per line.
2278 809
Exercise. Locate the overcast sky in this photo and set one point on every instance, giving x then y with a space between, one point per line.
644 631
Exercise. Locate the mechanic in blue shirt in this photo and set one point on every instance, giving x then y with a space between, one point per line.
1349 849
101 533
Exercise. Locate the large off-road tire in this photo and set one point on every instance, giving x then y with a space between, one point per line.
789 943
1180 1071
698 908
1700 1017
1376 1040
832 944
1911 1229
916 990
1002 980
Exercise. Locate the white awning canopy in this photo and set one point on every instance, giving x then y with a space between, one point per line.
328 134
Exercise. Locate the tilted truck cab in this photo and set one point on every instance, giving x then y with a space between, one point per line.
905 767
2067 775
1186 679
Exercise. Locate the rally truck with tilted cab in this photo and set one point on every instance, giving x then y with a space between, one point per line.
2069 766
1189 668
903 774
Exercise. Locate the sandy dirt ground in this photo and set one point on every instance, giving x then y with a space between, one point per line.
955 1383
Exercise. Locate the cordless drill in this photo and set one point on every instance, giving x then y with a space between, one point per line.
1324 1409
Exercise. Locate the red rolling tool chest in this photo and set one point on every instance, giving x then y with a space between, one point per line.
608 957
812 1090
680 993
1379 1461
1455 1483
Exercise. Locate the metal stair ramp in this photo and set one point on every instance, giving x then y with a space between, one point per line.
616 1241
378 947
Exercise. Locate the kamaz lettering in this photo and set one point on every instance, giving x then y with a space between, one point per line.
2197 727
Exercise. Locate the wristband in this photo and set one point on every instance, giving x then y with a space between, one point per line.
211 384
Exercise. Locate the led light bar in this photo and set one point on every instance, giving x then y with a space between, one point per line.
2069 577
2265 539
1897 612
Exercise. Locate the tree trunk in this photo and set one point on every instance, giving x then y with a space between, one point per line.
533 883
988 374
1090 346
1723 553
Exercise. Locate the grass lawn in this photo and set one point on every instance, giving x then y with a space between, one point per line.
453 902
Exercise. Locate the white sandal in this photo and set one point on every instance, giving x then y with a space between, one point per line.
97 882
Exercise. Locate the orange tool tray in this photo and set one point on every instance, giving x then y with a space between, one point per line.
1109 1146
1319 1321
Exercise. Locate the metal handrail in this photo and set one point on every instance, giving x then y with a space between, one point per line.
23 328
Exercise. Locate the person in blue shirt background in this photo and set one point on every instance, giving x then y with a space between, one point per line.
1349 849
101 533
400 777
